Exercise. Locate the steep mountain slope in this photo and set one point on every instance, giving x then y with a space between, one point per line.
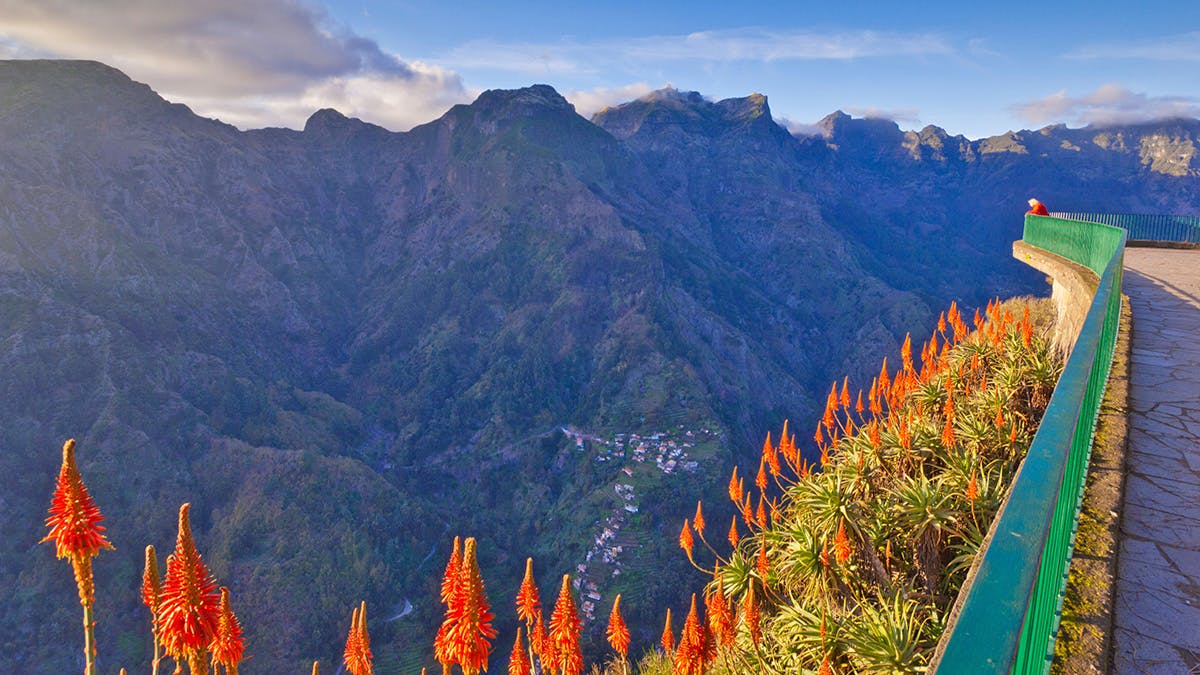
344 345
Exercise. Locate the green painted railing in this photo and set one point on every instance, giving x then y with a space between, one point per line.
1140 227
1011 610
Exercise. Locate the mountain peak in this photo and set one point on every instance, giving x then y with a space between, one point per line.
833 120
81 92
676 96
67 70
537 96
689 111
749 107
325 119
841 128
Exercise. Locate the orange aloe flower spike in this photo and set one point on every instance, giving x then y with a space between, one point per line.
761 479
565 627
151 594
151 581
449 591
841 545
469 617
518 660
752 616
948 437
831 406
685 539
75 529
617 632
189 605
74 523
844 398
689 656
528 600
721 619
698 519
762 565
747 510
539 640
228 645
668 636
733 533
906 361
451 574
771 455
357 655
735 487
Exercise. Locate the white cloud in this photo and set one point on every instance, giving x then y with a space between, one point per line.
1179 47
904 116
909 116
746 44
260 63
591 101
1109 104
800 128
393 103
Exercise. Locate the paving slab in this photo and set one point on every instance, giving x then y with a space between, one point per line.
1156 626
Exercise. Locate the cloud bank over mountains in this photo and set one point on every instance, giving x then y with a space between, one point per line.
1108 104
252 64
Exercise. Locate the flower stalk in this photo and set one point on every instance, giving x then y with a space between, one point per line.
78 536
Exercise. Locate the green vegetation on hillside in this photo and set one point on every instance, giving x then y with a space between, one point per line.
853 567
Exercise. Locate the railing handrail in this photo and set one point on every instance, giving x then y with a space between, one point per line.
1145 227
1010 612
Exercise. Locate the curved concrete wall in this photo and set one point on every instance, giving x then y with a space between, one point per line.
1072 289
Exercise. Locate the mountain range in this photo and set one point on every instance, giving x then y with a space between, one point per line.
345 345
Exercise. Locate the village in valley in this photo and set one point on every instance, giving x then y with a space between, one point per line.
663 453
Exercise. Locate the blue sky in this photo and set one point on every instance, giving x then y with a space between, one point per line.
973 68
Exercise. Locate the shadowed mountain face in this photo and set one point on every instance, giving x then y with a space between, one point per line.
345 345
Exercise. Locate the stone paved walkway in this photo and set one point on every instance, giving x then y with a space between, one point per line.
1157 621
